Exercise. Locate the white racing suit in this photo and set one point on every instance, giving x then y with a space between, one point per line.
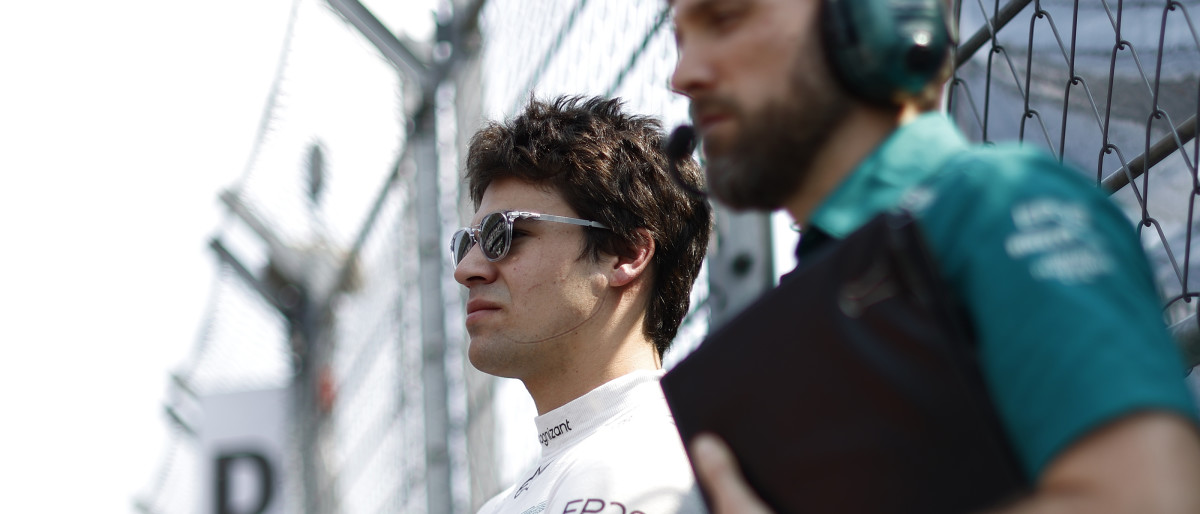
614 450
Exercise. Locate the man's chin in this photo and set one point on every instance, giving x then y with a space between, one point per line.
741 185
716 143
486 358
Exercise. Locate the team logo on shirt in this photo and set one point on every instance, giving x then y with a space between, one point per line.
554 431
525 486
1058 240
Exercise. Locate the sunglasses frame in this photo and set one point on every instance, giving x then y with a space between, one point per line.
510 217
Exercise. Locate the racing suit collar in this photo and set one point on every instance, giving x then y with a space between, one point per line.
566 425
909 156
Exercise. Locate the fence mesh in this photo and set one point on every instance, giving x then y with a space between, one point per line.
1112 88
1098 84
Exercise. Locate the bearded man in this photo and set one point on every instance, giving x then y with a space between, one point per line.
802 107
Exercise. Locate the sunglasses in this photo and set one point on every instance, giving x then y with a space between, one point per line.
494 233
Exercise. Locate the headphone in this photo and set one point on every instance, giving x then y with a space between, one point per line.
879 49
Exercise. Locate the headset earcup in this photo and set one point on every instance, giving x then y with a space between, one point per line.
879 49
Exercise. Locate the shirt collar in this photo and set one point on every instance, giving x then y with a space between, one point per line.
911 154
573 422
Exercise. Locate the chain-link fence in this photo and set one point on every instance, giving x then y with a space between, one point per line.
1110 87
333 129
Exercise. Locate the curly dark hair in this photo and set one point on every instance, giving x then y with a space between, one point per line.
610 167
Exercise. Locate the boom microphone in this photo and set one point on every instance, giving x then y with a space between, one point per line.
679 146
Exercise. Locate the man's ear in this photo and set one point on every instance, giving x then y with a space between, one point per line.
629 267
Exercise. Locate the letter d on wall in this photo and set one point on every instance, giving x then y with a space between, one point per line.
244 445
225 468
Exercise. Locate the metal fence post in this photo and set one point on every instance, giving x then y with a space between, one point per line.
740 266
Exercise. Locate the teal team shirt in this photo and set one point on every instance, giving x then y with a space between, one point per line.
1051 273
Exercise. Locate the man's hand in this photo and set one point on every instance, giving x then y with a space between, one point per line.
1147 462
722 478
1143 463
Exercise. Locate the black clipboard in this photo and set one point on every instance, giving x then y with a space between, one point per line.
853 387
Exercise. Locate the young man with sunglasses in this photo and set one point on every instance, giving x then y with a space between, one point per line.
579 263
823 108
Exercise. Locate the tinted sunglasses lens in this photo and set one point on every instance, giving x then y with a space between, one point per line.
493 236
460 244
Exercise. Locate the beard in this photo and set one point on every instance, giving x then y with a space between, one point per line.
770 158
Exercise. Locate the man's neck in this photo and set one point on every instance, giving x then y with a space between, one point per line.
863 130
598 363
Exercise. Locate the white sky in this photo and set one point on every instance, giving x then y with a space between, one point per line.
119 123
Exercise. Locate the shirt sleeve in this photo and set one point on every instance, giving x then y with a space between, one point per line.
1060 294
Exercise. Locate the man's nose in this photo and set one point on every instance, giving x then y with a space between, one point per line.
692 72
474 268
